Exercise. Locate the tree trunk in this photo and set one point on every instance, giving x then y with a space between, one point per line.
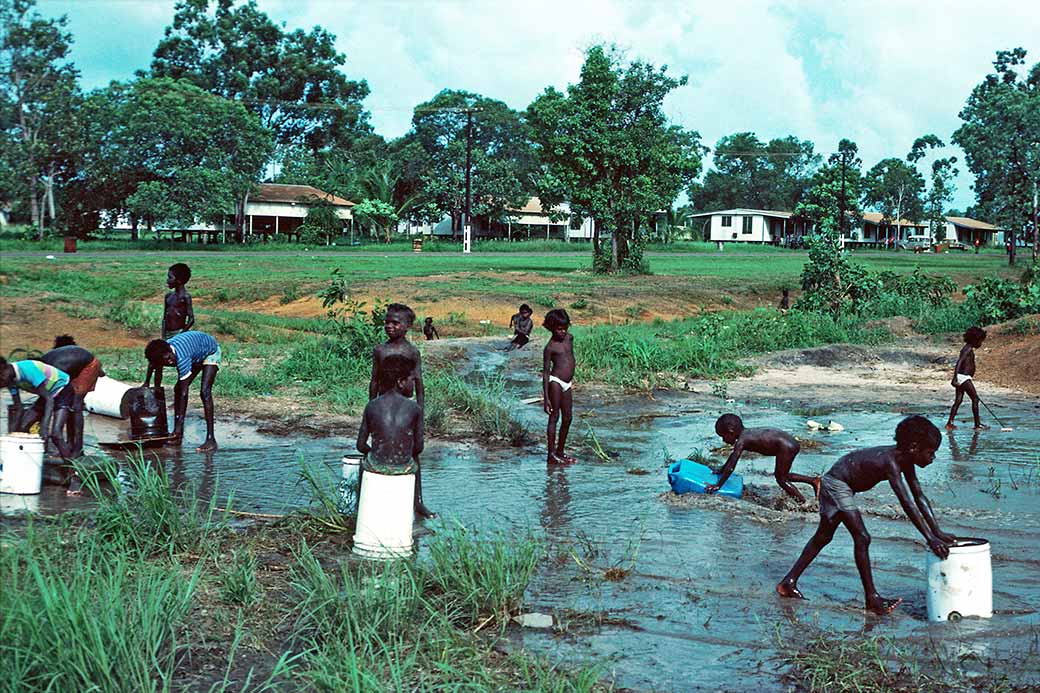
1036 229
34 208
595 237
133 227
240 218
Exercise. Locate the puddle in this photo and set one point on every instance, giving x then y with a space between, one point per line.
698 602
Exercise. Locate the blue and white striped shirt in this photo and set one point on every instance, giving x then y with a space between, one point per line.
190 348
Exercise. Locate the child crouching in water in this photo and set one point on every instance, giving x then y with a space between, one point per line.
557 382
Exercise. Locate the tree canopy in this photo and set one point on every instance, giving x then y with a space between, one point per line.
835 191
608 149
894 188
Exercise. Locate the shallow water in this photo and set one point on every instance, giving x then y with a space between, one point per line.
697 608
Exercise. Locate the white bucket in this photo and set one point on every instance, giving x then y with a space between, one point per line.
961 585
12 505
349 485
385 516
107 398
21 464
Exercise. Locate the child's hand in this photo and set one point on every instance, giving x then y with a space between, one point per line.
711 488
938 547
547 407
948 538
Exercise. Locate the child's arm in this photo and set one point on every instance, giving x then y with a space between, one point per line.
165 310
48 410
546 365
925 507
148 374
417 436
960 362
727 469
362 437
435 333
373 389
189 312
420 389
937 545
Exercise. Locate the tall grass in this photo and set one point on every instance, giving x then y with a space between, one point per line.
78 616
483 407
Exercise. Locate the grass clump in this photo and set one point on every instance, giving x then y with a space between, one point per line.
238 583
483 407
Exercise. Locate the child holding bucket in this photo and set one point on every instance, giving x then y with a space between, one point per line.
917 439
394 424
191 353
55 396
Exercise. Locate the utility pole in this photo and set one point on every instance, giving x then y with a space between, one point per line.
841 206
467 238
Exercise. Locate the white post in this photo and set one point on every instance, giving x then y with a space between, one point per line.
467 238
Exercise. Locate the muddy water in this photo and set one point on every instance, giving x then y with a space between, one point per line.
697 608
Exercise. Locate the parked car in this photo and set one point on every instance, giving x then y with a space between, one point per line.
956 245
918 244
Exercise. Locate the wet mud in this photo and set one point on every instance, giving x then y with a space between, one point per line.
676 592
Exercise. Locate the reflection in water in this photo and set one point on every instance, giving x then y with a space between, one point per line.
556 510
955 451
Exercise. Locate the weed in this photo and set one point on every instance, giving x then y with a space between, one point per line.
290 293
580 304
238 583
545 300
456 318
484 406
720 388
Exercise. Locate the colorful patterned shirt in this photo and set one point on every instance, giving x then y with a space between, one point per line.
29 375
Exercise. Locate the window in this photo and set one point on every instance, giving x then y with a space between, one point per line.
747 224
727 221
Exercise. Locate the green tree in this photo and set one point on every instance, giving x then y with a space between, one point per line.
894 188
941 190
750 173
1000 137
378 215
38 98
196 154
607 148
832 201
321 223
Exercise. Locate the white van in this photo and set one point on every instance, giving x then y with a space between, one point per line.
919 243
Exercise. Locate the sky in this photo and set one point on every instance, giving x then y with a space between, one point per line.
880 73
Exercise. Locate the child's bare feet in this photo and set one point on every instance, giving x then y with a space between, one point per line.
981 427
950 426
816 485
788 589
422 511
209 446
880 605
555 460
567 458
75 486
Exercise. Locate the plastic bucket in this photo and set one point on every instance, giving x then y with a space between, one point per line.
109 398
961 585
11 505
385 516
147 413
21 464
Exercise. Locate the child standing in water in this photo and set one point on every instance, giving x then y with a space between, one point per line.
917 439
399 319
557 382
765 441
963 374
178 315
429 331
191 353
522 324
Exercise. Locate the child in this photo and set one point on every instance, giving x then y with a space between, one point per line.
429 330
522 324
765 441
83 369
177 313
785 302
399 318
394 422
917 439
557 381
55 396
962 376
192 353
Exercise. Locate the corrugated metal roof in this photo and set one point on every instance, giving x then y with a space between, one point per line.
278 192
969 223
741 210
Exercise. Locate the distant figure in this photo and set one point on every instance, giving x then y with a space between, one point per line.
785 302
521 324
191 353
55 397
916 442
557 381
963 373
394 423
765 441
399 318
178 315
83 369
977 244
429 331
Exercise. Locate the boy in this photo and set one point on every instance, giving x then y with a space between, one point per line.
83 369
55 396
785 302
765 441
192 353
916 442
557 381
429 331
962 376
522 324
178 315
394 423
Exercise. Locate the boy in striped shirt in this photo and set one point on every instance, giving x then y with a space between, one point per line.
191 353
55 396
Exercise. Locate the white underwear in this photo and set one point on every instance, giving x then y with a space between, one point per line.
563 385
961 378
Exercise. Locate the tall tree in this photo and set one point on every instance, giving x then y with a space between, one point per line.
608 149
501 158
167 151
750 173
944 171
894 188
1000 137
832 202
38 96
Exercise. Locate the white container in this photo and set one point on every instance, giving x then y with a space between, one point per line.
349 485
21 464
385 516
961 585
12 505
107 398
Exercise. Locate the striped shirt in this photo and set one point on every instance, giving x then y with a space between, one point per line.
29 375
191 348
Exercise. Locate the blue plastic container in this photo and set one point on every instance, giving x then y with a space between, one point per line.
687 476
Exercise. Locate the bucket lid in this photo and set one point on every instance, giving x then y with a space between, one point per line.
969 545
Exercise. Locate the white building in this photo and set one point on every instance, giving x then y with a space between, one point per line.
529 222
968 230
752 226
